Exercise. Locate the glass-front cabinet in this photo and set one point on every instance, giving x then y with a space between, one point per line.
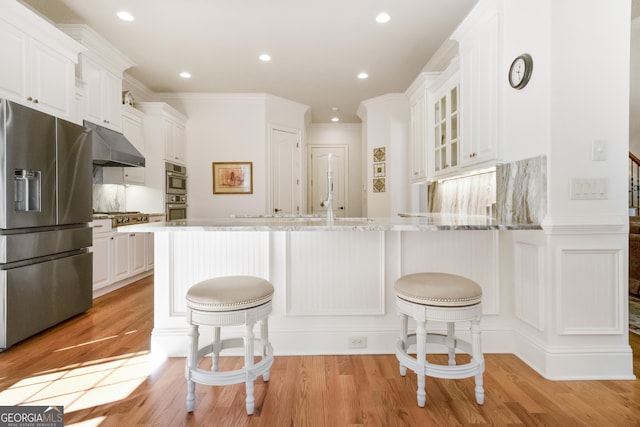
446 127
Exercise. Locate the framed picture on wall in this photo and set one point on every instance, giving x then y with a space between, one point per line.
232 177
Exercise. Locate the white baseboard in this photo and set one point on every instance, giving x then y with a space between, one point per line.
576 363
173 342
120 284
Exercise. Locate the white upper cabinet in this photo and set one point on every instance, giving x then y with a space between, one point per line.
133 130
38 62
444 115
479 44
419 104
165 123
174 140
102 95
446 128
100 68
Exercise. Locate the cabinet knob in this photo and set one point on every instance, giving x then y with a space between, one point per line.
132 234
35 101
110 238
29 99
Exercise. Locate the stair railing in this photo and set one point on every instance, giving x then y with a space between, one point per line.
634 181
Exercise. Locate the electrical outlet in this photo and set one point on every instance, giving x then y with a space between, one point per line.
358 342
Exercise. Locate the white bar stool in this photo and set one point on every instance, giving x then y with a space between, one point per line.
444 298
228 301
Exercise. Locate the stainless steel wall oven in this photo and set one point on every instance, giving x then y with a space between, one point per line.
176 182
176 192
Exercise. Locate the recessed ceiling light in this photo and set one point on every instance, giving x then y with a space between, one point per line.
125 16
363 76
264 57
185 75
334 108
335 119
383 18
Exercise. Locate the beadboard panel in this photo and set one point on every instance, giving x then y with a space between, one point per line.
198 256
332 274
473 254
529 290
589 291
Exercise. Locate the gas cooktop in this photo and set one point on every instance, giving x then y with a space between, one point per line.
124 218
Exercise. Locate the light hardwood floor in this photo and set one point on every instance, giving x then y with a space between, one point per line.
98 366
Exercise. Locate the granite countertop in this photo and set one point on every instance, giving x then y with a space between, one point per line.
403 222
111 215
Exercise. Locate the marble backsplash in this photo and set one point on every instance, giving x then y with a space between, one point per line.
521 189
465 195
516 192
107 197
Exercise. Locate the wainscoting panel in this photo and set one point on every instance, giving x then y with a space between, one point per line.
529 291
198 256
589 286
338 273
473 254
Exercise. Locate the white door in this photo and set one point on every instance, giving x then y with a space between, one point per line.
318 178
285 172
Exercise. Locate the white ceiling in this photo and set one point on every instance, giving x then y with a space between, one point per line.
318 46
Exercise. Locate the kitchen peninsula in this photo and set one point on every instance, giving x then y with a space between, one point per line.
333 280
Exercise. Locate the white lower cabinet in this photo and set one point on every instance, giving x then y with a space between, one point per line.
129 254
138 252
119 258
102 241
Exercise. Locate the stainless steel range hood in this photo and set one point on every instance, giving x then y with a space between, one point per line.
111 148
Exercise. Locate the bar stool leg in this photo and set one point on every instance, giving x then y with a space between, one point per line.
192 360
248 366
216 348
404 325
476 348
451 342
421 360
264 339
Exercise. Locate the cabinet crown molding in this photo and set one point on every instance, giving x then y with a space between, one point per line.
40 29
422 82
482 12
98 48
160 108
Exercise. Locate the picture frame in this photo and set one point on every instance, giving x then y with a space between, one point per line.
232 177
379 170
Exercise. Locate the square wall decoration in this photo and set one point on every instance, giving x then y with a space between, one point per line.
378 185
379 169
379 154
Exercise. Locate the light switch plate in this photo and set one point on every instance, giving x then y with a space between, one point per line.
599 150
589 189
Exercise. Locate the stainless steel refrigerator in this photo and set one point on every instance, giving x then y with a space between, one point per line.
45 210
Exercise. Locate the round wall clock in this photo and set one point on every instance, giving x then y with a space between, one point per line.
520 71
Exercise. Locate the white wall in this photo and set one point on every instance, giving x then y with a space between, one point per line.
386 119
350 135
525 115
634 131
230 128
589 87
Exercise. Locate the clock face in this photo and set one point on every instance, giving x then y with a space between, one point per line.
517 71
520 71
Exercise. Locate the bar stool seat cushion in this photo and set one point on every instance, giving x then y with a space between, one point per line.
229 293
438 289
